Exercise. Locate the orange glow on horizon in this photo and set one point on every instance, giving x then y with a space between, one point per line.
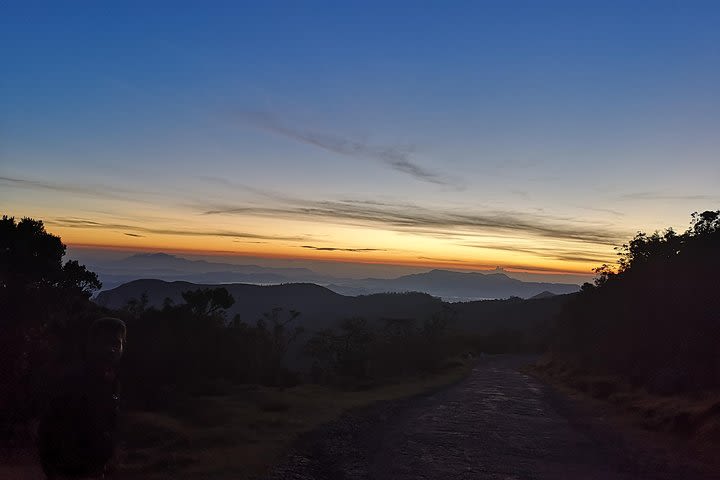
343 244
338 257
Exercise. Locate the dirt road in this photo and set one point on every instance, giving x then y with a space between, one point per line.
497 424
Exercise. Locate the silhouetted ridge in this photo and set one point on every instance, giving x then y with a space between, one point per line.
320 306
453 285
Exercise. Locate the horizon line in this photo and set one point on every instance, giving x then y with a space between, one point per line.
427 263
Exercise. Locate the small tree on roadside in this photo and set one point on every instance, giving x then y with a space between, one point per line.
277 334
208 302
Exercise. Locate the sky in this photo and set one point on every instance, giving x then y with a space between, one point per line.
534 136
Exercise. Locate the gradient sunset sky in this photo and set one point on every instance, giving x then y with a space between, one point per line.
530 135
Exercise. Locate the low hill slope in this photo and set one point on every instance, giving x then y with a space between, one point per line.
322 308
319 307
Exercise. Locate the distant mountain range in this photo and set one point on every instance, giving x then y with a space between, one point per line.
320 307
323 308
172 263
455 286
449 285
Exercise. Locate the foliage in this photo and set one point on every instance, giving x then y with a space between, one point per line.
135 307
192 348
655 316
275 336
208 302
396 347
44 303
345 353
31 260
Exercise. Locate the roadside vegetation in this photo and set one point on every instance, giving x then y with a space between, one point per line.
646 335
246 429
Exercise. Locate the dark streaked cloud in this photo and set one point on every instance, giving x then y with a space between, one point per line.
438 222
668 196
83 223
604 210
447 260
265 193
443 223
565 254
338 249
397 157
88 190
96 191
216 180
533 268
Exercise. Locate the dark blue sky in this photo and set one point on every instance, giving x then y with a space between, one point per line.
555 117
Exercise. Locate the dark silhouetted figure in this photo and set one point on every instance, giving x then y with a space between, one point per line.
77 434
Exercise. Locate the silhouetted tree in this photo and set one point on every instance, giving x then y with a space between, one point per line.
31 259
354 347
39 294
277 335
433 332
136 307
209 302
322 347
654 314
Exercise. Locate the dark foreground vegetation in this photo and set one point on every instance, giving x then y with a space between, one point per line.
646 335
45 313
222 378
655 318
207 383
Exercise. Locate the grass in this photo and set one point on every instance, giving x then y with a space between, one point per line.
695 417
240 434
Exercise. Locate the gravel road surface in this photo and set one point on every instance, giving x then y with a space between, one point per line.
498 423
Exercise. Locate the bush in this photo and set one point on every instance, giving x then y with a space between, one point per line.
654 318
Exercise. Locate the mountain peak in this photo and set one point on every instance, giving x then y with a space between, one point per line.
498 272
152 255
543 294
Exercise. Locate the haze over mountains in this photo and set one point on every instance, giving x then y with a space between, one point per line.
322 308
449 285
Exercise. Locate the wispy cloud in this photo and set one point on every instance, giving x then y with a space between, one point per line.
458 225
397 157
438 222
86 190
668 196
565 254
604 210
84 223
338 249
98 191
535 268
448 260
